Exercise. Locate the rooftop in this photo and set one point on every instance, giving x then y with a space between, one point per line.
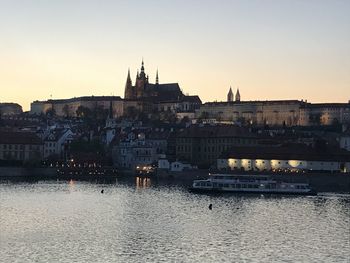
15 137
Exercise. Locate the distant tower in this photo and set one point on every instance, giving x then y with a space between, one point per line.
238 96
128 87
230 95
141 82
157 78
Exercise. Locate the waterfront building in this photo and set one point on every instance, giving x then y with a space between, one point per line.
56 142
134 151
203 145
20 146
175 166
288 157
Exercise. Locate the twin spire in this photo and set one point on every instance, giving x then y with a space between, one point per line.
230 97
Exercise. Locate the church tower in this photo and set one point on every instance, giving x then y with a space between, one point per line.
141 82
238 95
128 94
230 95
157 78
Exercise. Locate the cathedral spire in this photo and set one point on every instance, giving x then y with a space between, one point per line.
157 78
230 95
128 87
238 95
142 66
128 78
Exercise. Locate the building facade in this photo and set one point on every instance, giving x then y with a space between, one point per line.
282 158
203 145
69 107
7 109
276 113
20 146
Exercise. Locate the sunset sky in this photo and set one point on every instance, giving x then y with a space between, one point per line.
297 49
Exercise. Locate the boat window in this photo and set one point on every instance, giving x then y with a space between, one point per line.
225 185
208 184
220 185
215 184
232 185
249 186
244 186
238 186
255 186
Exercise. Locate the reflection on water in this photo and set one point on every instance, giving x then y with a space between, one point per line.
73 222
143 182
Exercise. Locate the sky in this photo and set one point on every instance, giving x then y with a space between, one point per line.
297 49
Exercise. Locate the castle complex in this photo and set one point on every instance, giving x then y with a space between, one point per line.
275 112
144 96
155 97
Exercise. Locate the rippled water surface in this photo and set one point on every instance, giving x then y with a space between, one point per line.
74 222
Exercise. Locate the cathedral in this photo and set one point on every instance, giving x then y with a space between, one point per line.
149 97
144 90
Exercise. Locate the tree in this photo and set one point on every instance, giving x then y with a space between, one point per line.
100 113
66 110
131 112
185 119
50 112
219 116
204 115
242 121
83 112
315 118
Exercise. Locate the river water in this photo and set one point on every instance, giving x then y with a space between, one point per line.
51 221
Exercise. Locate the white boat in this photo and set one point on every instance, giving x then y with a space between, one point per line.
261 184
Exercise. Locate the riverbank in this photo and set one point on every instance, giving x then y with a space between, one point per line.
321 182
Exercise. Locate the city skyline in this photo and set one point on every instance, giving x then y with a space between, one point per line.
270 50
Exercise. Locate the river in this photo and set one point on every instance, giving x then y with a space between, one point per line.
71 221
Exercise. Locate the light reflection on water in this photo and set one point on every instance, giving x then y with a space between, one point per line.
74 222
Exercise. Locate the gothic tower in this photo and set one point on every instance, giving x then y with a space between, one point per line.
128 87
230 95
141 82
238 95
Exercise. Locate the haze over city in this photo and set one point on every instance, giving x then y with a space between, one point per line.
269 49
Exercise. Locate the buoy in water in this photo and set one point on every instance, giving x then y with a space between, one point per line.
210 207
102 191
